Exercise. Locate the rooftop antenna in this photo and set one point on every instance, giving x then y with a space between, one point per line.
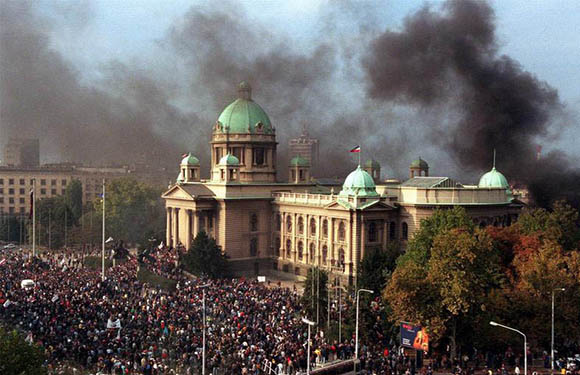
494 158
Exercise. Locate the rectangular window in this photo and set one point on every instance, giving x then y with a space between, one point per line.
63 191
21 190
52 182
259 156
11 181
11 191
53 191
21 200
43 182
22 182
11 210
21 210
1 181
1 190
11 200
63 182
1 199
43 191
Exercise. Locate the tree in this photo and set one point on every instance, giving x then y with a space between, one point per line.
13 228
315 296
445 275
19 357
420 245
73 197
205 258
134 211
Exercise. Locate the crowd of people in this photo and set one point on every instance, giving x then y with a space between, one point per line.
124 326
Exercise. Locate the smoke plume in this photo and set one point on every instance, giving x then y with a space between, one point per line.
448 61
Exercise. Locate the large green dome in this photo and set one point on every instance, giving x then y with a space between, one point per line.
244 115
190 160
359 183
493 179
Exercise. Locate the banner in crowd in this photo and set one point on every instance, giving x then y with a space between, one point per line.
414 337
113 324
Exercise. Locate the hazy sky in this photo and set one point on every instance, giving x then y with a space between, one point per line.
91 35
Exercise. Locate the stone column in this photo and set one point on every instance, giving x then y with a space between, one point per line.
294 231
195 223
332 255
188 230
168 234
282 234
175 226
363 237
385 234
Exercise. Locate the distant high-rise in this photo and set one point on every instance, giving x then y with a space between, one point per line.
20 152
304 146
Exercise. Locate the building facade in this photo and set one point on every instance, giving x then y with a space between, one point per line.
263 224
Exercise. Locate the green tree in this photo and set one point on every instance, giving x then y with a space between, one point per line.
73 197
442 280
134 211
315 296
419 247
13 228
205 258
560 224
18 357
52 216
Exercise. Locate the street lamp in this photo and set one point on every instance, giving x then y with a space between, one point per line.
339 312
203 287
310 323
356 334
525 343
552 343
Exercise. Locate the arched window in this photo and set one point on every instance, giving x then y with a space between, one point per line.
279 222
393 231
253 247
253 223
288 248
312 251
341 258
289 223
405 231
325 228
278 245
300 250
300 224
372 232
341 231
312 227
324 254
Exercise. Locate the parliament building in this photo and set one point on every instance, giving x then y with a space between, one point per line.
264 225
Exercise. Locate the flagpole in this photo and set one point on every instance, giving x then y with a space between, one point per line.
33 217
103 239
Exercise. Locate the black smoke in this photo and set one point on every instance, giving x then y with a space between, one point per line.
448 61
122 120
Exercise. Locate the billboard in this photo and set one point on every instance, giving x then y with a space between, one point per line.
414 337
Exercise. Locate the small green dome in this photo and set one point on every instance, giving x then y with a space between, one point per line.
359 183
372 163
229 159
493 179
299 161
244 115
190 160
419 163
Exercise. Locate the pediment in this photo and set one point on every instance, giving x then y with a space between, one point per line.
177 192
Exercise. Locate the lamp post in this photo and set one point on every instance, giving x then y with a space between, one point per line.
310 323
103 237
356 330
525 343
203 287
339 288
552 342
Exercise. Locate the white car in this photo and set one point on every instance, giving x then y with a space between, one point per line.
10 246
